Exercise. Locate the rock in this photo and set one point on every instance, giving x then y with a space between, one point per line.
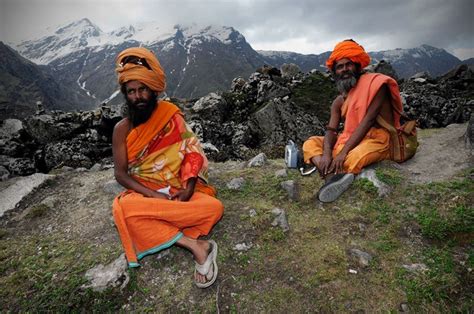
252 212
95 167
20 188
258 161
289 70
237 85
242 247
292 188
404 308
382 188
415 268
363 258
11 128
282 173
280 219
211 107
113 187
236 183
48 128
21 166
4 173
110 276
383 67
469 135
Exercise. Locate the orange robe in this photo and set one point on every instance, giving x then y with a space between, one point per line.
164 152
375 146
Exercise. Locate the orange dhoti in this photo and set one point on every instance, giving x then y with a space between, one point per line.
374 147
147 225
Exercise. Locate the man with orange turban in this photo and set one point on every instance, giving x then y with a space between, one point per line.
160 161
364 99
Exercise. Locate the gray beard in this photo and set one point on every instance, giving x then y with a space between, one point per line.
345 85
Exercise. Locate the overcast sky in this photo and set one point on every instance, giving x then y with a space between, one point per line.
305 26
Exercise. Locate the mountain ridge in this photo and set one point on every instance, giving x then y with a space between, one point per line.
197 60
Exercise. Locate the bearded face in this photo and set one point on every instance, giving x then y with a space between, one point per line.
346 74
141 102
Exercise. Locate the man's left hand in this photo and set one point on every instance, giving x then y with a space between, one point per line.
337 165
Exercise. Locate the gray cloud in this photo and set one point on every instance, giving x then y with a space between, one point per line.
307 26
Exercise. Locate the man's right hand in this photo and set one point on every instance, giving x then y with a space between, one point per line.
155 194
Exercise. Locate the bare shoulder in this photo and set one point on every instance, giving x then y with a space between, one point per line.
338 101
122 128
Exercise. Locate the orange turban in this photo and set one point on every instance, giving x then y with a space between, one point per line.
351 50
155 78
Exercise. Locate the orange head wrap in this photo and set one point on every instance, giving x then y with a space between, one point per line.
155 78
351 50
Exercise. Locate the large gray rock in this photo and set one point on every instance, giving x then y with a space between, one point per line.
211 107
109 276
258 161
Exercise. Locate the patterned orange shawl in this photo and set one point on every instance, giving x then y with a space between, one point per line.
156 149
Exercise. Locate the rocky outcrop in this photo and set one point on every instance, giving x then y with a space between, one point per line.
259 114
47 141
442 101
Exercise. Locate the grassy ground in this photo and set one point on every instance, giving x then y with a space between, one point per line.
44 252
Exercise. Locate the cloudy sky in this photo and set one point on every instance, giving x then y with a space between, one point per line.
305 26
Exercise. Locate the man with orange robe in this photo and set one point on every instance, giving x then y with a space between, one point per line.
364 98
160 161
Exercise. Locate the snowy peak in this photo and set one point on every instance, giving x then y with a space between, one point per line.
82 28
424 51
84 34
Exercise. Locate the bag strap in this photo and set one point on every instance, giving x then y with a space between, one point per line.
401 113
383 123
394 140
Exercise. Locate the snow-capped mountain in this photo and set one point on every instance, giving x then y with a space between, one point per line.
407 62
197 60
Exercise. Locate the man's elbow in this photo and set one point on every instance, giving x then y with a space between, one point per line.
120 176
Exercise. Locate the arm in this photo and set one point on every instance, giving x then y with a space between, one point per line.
330 137
361 131
192 164
119 149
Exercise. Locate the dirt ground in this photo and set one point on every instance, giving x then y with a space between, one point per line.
440 156
66 227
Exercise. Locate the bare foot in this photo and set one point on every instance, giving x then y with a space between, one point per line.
202 250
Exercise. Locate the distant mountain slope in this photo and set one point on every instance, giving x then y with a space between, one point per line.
23 83
406 62
196 60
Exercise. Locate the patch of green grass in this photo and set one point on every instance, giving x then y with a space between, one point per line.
386 243
434 286
274 234
3 233
381 209
389 176
46 274
366 186
439 224
38 210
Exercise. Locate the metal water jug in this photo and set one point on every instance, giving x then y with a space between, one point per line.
291 155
